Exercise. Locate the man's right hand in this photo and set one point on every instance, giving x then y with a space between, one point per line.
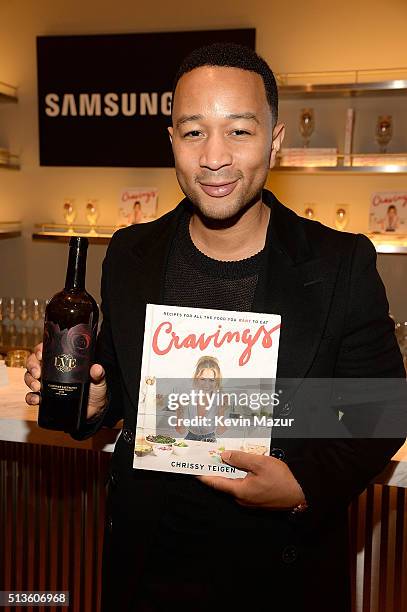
97 390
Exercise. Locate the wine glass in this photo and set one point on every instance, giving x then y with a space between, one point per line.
309 210
307 124
23 310
92 215
69 214
341 216
384 131
35 307
17 358
11 309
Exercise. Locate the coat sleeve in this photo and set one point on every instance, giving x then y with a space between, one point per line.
334 471
106 355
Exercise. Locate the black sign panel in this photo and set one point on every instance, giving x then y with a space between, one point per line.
105 100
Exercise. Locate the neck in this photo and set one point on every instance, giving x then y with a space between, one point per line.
232 241
76 271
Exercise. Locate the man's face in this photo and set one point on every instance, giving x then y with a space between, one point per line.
222 139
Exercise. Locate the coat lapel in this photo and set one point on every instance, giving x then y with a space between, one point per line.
297 285
140 275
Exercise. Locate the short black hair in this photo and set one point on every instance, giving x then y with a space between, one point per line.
232 55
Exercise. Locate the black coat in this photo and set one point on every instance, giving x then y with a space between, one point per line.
335 323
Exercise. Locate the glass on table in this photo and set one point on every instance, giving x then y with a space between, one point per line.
11 313
17 358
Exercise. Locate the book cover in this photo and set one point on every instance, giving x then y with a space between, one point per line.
137 205
207 384
388 212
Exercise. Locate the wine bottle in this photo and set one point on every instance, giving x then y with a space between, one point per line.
70 328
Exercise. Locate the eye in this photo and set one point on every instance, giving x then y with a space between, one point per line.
192 134
241 133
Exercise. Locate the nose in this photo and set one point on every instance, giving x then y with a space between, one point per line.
215 153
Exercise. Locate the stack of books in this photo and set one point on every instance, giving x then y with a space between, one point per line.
4 157
309 157
380 159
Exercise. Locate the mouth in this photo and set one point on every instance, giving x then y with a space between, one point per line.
218 190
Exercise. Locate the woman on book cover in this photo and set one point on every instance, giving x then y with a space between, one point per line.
391 221
207 378
136 215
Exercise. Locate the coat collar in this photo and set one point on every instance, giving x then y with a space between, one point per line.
285 232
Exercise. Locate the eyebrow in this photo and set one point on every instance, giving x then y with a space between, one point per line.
187 118
244 116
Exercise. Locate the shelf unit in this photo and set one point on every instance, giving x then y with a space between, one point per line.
8 95
64 238
397 245
59 234
10 229
12 164
388 169
349 84
348 90
53 232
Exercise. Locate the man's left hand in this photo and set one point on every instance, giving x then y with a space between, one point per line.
269 482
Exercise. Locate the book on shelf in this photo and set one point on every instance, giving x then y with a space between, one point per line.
309 157
388 213
347 149
380 159
202 374
4 157
137 205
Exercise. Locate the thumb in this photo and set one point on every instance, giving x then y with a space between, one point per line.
97 374
241 460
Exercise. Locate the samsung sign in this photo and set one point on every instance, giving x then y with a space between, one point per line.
105 100
110 104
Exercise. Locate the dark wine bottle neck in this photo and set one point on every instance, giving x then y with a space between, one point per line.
76 271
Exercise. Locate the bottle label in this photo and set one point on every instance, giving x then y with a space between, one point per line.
67 353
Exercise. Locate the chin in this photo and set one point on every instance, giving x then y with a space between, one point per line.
220 212
219 209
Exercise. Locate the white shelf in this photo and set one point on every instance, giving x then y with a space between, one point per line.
8 93
391 169
343 83
10 229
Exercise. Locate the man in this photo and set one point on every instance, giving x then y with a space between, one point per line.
279 536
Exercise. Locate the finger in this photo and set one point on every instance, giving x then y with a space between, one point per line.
33 399
32 382
33 366
97 373
38 351
243 461
227 485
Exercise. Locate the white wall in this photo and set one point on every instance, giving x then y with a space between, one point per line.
291 35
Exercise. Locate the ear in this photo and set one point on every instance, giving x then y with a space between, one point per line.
278 137
170 132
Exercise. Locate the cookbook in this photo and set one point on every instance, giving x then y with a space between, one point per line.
207 385
388 212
